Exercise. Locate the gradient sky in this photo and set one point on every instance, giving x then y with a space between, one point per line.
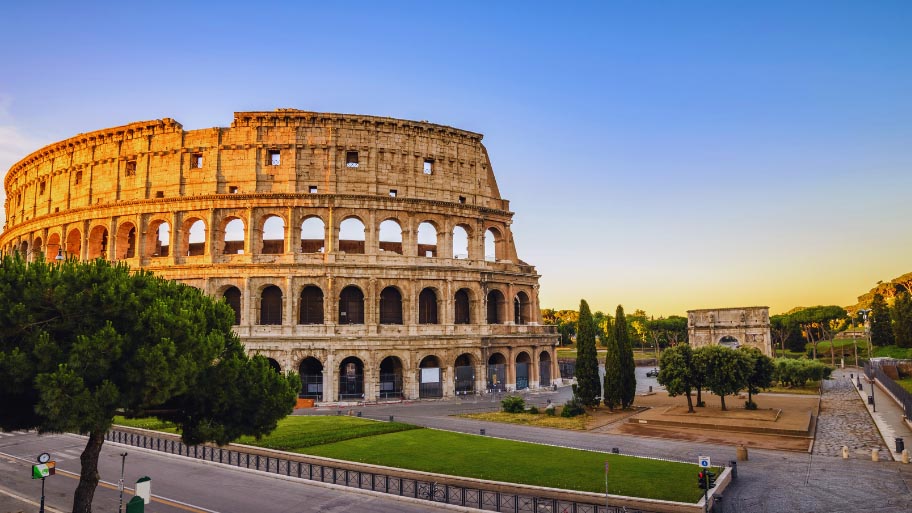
661 155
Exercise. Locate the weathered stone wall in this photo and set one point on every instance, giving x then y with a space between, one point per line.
134 193
749 326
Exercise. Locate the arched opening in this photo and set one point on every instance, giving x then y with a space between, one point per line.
74 244
271 305
427 240
313 230
391 378
275 365
463 310
311 308
233 237
465 374
492 245
390 306
544 369
273 235
460 243
194 237
36 248
232 296
430 383
523 370
160 243
351 306
391 237
521 308
98 243
351 379
497 373
311 372
53 247
125 245
729 341
427 306
495 307
24 250
351 236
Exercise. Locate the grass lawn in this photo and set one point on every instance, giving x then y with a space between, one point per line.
528 419
900 353
405 446
810 388
905 383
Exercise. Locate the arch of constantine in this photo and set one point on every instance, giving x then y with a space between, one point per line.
732 327
372 255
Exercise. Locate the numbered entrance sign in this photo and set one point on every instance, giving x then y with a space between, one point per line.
42 470
704 462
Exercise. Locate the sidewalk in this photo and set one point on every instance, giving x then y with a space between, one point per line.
889 417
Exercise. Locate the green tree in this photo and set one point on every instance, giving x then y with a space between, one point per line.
587 377
627 367
677 372
611 390
819 323
565 320
902 320
760 374
699 374
602 325
81 341
726 371
881 325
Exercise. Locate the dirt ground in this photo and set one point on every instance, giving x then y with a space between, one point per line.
783 422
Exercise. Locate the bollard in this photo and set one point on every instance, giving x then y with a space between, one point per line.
851 376
482 432
391 418
900 445
905 456
742 453
845 452
615 450
734 466
870 399
859 386
359 413
650 389
875 455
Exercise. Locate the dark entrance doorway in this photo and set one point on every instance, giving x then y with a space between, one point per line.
523 370
391 378
497 373
544 369
351 379
311 371
465 375
430 382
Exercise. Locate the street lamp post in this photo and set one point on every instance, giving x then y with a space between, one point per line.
873 401
864 317
123 461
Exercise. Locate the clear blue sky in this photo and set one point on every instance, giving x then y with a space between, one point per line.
663 155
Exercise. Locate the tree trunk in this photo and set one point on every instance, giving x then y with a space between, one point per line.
722 398
750 397
690 404
832 353
699 396
88 478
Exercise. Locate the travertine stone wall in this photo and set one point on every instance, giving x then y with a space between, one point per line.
746 326
136 193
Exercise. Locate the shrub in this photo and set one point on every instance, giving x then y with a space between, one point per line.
573 407
750 405
533 410
513 404
549 411
796 373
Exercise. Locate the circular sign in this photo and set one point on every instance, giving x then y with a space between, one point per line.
44 457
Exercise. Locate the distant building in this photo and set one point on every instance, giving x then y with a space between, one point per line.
731 327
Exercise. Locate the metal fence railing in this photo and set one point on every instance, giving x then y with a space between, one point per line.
427 489
874 370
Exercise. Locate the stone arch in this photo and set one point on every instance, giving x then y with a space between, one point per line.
98 243
461 239
73 243
54 248
311 371
232 296
523 370
272 227
274 364
430 378
427 239
544 369
391 305
313 235
232 232
391 377
125 241
351 305
493 245
497 372
351 378
462 306
729 341
495 307
270 305
310 306
464 374
427 306
159 238
23 249
352 235
193 237
37 248
390 238
522 308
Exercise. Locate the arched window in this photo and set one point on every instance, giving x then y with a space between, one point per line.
126 241
495 307
427 240
271 305
313 230
351 236
233 297
311 311
161 239
460 243
233 237
98 243
492 245
391 237
273 235
390 306
74 244
196 237
463 310
427 307
351 306
521 308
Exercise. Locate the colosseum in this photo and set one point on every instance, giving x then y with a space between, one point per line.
372 255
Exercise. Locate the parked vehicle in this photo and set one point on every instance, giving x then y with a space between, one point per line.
652 373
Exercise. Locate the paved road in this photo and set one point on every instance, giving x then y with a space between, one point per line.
179 484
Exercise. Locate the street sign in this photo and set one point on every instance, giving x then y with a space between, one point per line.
704 462
42 470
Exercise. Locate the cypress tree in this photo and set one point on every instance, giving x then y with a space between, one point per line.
902 320
626 366
587 377
881 327
612 389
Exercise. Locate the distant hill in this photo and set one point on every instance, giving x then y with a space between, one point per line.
888 289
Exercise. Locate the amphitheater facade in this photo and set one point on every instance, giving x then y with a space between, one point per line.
372 255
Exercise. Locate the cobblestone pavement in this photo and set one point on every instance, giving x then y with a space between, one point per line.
844 421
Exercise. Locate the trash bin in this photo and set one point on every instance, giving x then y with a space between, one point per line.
900 445
734 466
870 399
